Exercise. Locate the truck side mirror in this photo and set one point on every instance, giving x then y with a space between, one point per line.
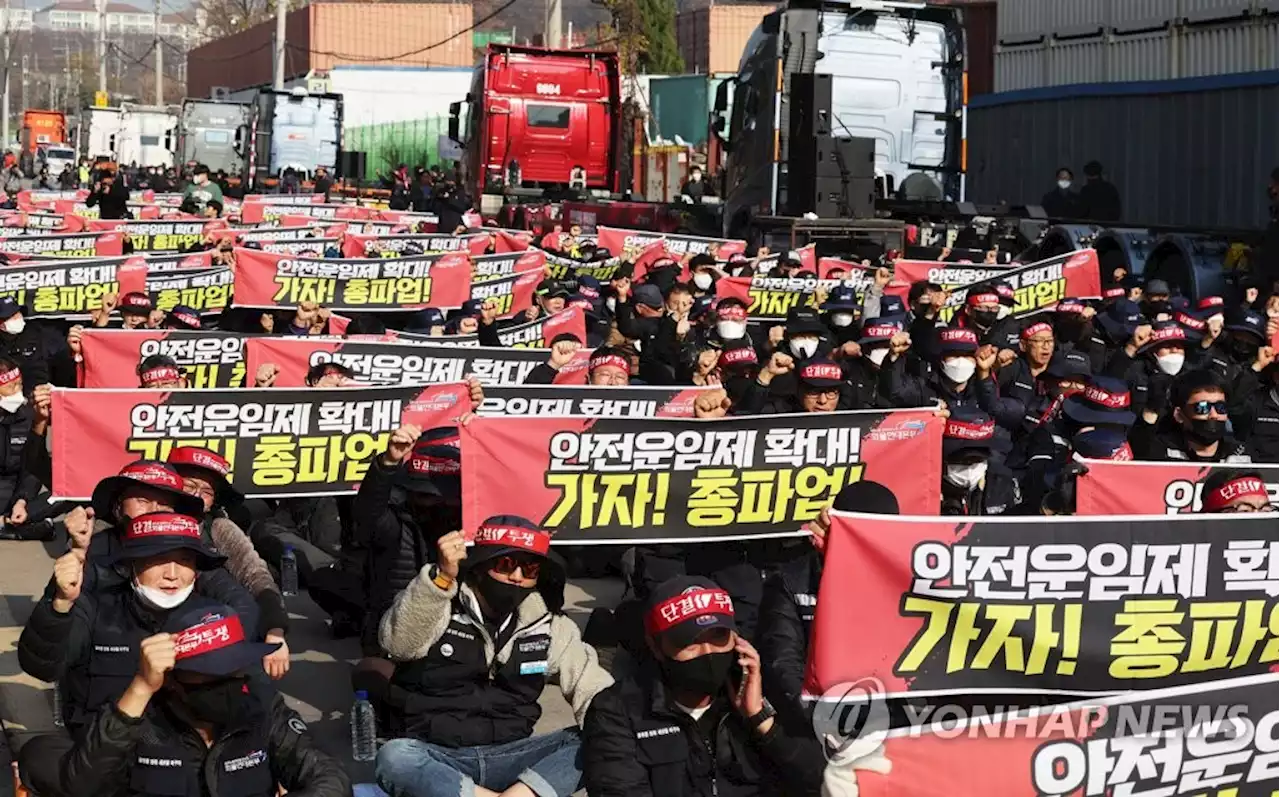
242 132
722 96
455 109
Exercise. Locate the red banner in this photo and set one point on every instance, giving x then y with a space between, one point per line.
357 246
80 245
258 212
1155 488
511 240
513 294
316 441
628 243
208 359
267 280
626 480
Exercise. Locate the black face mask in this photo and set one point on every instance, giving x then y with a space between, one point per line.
701 676
1244 352
215 702
500 598
923 309
1153 309
983 318
1206 431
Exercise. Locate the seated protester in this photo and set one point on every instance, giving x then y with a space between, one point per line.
1116 327
663 273
1074 329
803 337
427 321
820 387
1150 362
1106 443
563 349
87 639
40 350
1227 490
365 324
1242 357
638 319
973 481
135 311
1155 301
705 273
736 368
204 475
474 649
1017 380
982 315
1199 424
840 313
193 721
730 330
466 320
308 319
1041 445
182 317
790 599
410 497
951 380
863 372
160 372
925 301
19 486
608 367
689 722
1257 420
658 360
329 375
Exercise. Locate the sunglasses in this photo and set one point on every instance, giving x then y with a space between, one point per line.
506 565
1203 407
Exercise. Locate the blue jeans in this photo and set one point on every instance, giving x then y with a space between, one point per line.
550 765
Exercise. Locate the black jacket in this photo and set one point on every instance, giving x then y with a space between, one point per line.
16 482
41 354
1059 204
1151 442
112 203
636 744
782 631
158 754
1259 424
1100 201
1000 494
398 546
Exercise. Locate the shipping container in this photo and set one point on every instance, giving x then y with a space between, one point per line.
322 36
1026 21
1217 139
712 37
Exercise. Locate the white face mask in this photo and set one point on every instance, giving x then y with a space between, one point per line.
702 280
877 355
12 403
1064 184
159 599
803 348
959 369
1216 318
15 325
842 319
966 476
731 330
1004 312
612 304
1171 363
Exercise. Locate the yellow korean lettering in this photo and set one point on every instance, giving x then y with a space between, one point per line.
1148 644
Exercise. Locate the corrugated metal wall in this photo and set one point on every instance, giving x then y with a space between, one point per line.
1188 157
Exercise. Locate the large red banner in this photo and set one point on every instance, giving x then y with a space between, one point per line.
613 480
627 244
78 245
400 245
1155 488
267 280
209 359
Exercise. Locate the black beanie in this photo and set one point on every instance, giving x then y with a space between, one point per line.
867 496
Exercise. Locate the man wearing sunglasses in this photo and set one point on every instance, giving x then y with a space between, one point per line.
1199 402
474 646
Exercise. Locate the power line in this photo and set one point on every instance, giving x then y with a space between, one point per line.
367 59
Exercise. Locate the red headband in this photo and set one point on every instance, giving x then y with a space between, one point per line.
1210 301
1167 334
188 319
1036 329
429 465
957 335
984 298
694 603
1113 293
739 356
154 475
821 371
616 360
968 430
135 300
219 633
10 376
733 312
881 331
1189 321
1106 398
532 540
1244 486
195 457
1077 308
161 373
164 524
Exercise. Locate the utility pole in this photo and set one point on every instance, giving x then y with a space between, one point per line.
26 70
551 30
102 46
159 45
8 27
281 10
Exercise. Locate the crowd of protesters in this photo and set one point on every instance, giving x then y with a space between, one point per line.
165 629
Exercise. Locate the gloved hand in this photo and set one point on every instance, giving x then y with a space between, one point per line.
840 779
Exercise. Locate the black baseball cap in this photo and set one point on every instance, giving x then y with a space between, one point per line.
209 639
684 608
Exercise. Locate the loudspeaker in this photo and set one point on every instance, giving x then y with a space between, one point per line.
351 164
837 198
810 104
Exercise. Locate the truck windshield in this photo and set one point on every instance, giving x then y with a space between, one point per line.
556 116
61 154
217 137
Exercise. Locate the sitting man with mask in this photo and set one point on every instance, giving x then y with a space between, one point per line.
192 722
820 387
1150 362
950 380
693 720
1199 424
474 649
88 640
973 482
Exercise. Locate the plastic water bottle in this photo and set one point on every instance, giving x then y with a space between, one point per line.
364 729
289 573
57 704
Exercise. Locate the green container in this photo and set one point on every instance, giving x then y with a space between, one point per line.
482 39
679 106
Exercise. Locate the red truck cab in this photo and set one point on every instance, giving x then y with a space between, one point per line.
540 119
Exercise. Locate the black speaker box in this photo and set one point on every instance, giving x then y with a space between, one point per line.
351 164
